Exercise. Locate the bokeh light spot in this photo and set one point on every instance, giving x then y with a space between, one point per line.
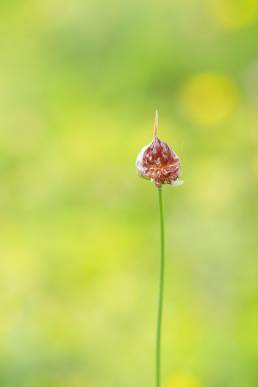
209 98
184 381
234 14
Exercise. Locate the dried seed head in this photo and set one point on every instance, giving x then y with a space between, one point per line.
157 161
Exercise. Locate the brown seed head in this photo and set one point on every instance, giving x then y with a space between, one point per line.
157 161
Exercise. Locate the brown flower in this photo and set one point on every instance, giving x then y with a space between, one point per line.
157 161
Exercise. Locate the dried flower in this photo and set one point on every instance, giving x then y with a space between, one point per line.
158 162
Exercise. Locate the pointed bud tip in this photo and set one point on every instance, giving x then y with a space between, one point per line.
156 124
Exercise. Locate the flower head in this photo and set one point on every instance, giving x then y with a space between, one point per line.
158 162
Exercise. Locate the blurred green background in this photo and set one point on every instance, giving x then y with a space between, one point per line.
79 84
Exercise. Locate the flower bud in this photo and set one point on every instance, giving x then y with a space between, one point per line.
158 162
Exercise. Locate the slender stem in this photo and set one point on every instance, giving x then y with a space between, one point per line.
161 289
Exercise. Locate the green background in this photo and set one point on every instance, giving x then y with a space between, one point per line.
79 231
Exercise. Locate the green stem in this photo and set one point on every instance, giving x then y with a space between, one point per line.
161 289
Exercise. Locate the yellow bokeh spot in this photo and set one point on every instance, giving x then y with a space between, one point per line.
209 98
234 14
184 381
